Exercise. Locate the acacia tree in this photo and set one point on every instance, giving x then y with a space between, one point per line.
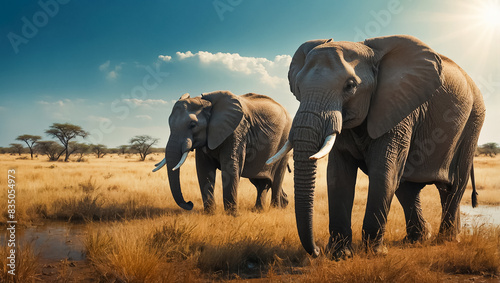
489 149
122 149
65 133
50 148
16 148
142 144
30 141
81 149
99 149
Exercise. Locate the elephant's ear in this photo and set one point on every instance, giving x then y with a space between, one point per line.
409 72
298 61
225 117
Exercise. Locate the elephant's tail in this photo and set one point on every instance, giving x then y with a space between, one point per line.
474 191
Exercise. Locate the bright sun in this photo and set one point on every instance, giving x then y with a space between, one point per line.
490 14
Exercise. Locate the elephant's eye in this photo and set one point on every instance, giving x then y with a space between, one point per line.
192 125
350 85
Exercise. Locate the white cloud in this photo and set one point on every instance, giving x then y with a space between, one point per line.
93 118
103 67
110 74
165 58
147 102
269 72
183 56
144 117
56 103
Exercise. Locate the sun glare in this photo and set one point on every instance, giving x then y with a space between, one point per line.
490 14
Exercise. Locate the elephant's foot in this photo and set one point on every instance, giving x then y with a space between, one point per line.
339 248
418 235
378 250
209 208
232 211
447 233
282 202
375 247
446 237
258 208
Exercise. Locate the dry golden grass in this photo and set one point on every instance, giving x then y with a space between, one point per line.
27 263
146 237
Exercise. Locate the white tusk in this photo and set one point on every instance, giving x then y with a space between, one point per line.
282 152
183 159
325 149
160 165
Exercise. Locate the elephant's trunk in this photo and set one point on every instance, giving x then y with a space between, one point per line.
310 127
173 154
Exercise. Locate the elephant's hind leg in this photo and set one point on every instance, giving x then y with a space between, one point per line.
262 186
408 195
279 198
450 205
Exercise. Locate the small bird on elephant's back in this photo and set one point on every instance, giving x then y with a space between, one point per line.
235 134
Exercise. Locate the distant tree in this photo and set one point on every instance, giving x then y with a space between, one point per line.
16 148
123 149
142 144
3 150
99 149
489 149
30 141
65 133
50 148
82 148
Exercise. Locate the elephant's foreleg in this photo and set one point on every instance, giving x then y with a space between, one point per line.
385 163
408 195
230 180
341 177
206 169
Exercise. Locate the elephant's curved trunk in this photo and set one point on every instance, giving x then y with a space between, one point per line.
308 133
304 179
173 154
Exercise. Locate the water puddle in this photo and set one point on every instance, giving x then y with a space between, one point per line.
481 215
54 241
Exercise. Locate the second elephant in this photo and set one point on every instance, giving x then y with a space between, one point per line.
235 134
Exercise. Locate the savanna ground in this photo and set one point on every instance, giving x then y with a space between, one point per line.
134 231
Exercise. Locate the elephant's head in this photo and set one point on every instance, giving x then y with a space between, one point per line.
340 85
206 120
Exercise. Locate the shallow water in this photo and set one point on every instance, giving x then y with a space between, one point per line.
481 215
54 241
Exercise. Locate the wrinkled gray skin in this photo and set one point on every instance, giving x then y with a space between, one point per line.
235 134
404 115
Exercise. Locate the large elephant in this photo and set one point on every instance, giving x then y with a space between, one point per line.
235 134
403 114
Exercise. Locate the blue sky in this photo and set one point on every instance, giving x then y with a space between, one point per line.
116 67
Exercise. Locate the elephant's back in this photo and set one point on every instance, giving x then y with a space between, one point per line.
265 107
448 129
